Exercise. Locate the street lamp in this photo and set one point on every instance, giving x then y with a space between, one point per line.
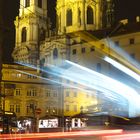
62 107
36 112
32 107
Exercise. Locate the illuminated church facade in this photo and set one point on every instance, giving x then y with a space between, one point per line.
38 45
33 27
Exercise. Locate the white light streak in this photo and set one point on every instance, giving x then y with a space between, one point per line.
122 68
92 80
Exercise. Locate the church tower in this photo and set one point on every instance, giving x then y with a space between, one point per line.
31 27
76 15
109 13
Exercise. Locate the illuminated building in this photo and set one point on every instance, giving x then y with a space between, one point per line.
31 27
37 45
25 91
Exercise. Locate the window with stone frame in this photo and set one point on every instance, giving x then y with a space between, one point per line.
69 17
74 51
92 49
54 93
40 3
17 108
23 34
31 92
131 41
83 50
18 91
12 108
79 16
42 34
27 3
55 53
28 108
48 93
90 15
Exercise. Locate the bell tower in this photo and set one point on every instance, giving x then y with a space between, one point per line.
31 27
75 15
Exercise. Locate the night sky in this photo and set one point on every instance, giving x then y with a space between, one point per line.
123 9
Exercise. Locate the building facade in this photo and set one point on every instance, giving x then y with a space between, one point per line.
25 91
36 45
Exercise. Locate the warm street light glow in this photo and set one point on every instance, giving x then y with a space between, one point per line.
60 134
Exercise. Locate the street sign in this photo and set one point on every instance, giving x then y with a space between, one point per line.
38 111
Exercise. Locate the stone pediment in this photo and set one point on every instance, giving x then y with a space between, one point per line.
54 44
23 49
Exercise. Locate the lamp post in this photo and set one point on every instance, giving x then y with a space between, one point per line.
32 107
36 112
62 107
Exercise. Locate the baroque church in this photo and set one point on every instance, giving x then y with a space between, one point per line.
36 43
40 46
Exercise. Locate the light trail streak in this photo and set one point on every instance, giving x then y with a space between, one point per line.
59 134
122 68
108 47
104 79
104 84
128 136
122 54
93 80
57 82
61 72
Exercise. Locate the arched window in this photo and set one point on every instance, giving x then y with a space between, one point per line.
59 22
42 61
27 3
42 34
23 34
40 3
55 53
89 15
69 17
79 16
